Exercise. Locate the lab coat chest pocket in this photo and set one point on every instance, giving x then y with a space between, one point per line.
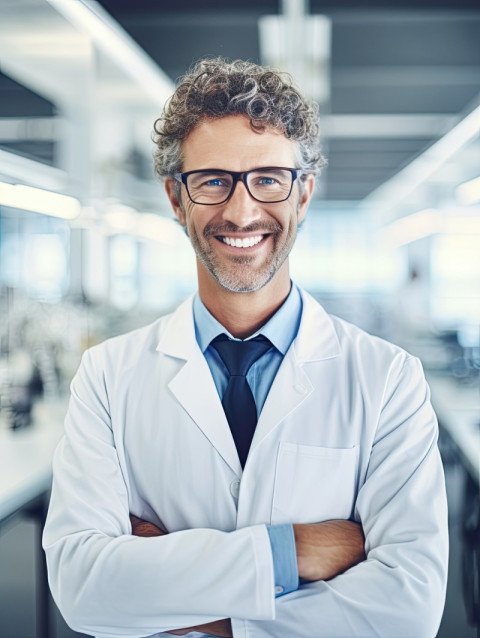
314 484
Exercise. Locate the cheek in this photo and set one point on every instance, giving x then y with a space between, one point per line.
196 222
290 217
189 213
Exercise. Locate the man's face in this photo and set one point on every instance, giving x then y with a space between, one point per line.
267 230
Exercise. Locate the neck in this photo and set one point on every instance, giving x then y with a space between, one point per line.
242 314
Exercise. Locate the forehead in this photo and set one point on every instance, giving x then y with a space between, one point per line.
231 143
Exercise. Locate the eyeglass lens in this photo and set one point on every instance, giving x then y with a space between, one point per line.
265 185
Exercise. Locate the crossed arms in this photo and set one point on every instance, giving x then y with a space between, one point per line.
324 550
107 581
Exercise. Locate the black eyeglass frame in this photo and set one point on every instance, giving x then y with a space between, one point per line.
237 176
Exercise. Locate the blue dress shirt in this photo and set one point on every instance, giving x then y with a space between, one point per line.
281 330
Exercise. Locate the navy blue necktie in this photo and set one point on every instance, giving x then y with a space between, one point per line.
238 401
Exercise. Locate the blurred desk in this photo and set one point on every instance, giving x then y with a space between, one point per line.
458 410
26 457
25 480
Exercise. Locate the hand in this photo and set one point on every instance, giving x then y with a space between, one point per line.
216 628
327 549
144 528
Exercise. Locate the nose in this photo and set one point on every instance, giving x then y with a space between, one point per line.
241 209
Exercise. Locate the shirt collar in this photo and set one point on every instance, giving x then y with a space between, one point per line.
281 329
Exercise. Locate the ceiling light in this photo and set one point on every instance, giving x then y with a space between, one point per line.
469 192
411 228
38 200
299 44
20 169
90 17
423 167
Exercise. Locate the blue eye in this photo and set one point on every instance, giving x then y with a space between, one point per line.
267 180
214 182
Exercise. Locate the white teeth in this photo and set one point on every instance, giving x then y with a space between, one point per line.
244 242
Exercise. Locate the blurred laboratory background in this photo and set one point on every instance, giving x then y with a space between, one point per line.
89 247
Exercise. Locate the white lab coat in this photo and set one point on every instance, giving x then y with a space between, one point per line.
347 431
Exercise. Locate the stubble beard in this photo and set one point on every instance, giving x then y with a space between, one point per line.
237 274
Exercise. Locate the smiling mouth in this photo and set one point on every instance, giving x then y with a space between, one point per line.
241 242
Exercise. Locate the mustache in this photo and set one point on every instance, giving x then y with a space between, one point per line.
262 228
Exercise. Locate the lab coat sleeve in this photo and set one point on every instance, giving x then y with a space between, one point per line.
109 583
399 590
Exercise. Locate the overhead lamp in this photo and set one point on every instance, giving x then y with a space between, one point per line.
468 192
90 17
423 167
22 170
299 43
455 224
37 200
411 228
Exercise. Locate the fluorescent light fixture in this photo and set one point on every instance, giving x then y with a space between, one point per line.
300 44
469 192
462 225
420 169
449 221
38 200
22 170
90 17
411 228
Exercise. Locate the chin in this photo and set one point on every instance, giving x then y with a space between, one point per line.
233 283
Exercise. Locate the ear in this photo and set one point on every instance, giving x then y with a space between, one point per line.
171 190
307 192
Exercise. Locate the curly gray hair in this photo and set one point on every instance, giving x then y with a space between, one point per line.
215 88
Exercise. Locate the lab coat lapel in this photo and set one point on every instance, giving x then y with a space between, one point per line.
193 385
289 389
195 390
316 341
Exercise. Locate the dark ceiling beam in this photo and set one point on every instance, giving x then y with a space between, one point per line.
18 101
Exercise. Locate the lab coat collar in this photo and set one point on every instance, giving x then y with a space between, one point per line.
316 339
178 338
195 390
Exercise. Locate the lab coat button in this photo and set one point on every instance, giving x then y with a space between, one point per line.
235 488
300 388
278 589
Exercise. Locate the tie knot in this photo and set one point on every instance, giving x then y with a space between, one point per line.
239 356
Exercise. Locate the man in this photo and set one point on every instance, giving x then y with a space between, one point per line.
175 508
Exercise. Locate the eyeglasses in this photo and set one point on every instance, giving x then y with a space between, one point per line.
215 186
